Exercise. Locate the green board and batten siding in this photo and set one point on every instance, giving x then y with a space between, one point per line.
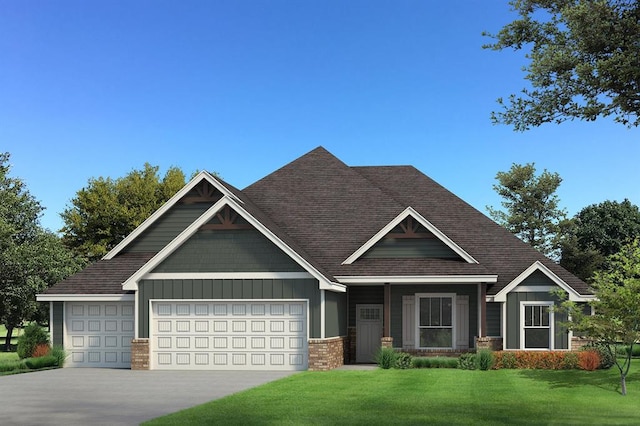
229 289
57 328
335 308
427 248
494 324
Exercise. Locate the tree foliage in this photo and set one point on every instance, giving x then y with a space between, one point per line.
584 61
31 258
107 210
530 205
616 319
598 231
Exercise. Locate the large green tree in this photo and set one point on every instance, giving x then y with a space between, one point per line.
616 318
31 258
530 206
583 61
598 231
107 210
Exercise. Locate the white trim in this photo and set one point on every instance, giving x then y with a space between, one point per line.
85 297
533 289
53 343
324 284
136 334
501 296
166 206
409 211
322 314
417 279
551 324
227 275
453 318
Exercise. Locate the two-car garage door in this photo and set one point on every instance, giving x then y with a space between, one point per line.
229 335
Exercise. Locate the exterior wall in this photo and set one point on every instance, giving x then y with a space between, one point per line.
335 305
140 354
493 343
397 291
431 248
561 338
166 228
243 250
57 328
494 315
229 289
363 295
326 354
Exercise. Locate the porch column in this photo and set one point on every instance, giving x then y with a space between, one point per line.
483 309
386 317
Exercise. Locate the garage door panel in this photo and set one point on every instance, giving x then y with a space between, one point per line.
99 334
229 335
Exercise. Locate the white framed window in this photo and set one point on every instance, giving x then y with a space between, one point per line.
435 320
536 325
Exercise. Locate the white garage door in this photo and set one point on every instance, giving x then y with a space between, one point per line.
98 334
229 335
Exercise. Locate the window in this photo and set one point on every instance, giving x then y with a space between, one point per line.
435 320
537 325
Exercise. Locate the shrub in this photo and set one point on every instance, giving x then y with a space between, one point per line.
386 358
12 366
59 354
589 360
435 362
606 357
403 360
635 352
467 361
41 349
41 362
33 336
484 359
570 361
546 360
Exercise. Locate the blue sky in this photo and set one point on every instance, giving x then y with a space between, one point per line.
98 88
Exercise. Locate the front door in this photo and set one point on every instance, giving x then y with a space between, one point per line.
368 332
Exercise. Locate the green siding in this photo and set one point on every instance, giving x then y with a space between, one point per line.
166 228
228 251
537 278
429 248
335 314
57 328
229 289
363 295
397 291
561 338
494 313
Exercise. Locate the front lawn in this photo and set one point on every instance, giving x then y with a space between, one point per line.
430 396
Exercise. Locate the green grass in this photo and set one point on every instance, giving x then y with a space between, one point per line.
440 396
8 356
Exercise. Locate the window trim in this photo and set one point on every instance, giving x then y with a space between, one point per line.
551 327
453 326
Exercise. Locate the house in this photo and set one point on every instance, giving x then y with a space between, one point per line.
315 265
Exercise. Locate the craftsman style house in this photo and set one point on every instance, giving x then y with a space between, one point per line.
315 265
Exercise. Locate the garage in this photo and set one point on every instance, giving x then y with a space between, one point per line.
229 335
98 334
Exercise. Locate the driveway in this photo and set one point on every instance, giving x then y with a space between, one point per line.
100 396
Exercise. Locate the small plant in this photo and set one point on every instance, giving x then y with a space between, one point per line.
59 354
33 336
589 360
509 360
570 361
41 362
606 357
484 359
386 358
467 361
403 360
435 362
41 349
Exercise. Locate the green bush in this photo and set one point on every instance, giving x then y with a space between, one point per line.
403 360
467 361
606 357
386 358
59 354
41 362
509 360
33 336
434 362
12 366
570 361
635 352
484 359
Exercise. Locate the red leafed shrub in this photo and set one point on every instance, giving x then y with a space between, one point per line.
41 350
544 360
588 360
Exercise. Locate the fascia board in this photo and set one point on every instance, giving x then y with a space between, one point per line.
409 211
501 296
166 206
418 279
85 297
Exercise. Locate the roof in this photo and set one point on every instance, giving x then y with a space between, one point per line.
326 211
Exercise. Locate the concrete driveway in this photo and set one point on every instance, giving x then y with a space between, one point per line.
100 396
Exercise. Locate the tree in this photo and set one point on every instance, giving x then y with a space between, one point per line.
598 231
616 306
107 210
30 258
584 61
531 205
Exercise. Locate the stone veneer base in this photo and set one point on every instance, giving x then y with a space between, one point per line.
140 354
326 354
